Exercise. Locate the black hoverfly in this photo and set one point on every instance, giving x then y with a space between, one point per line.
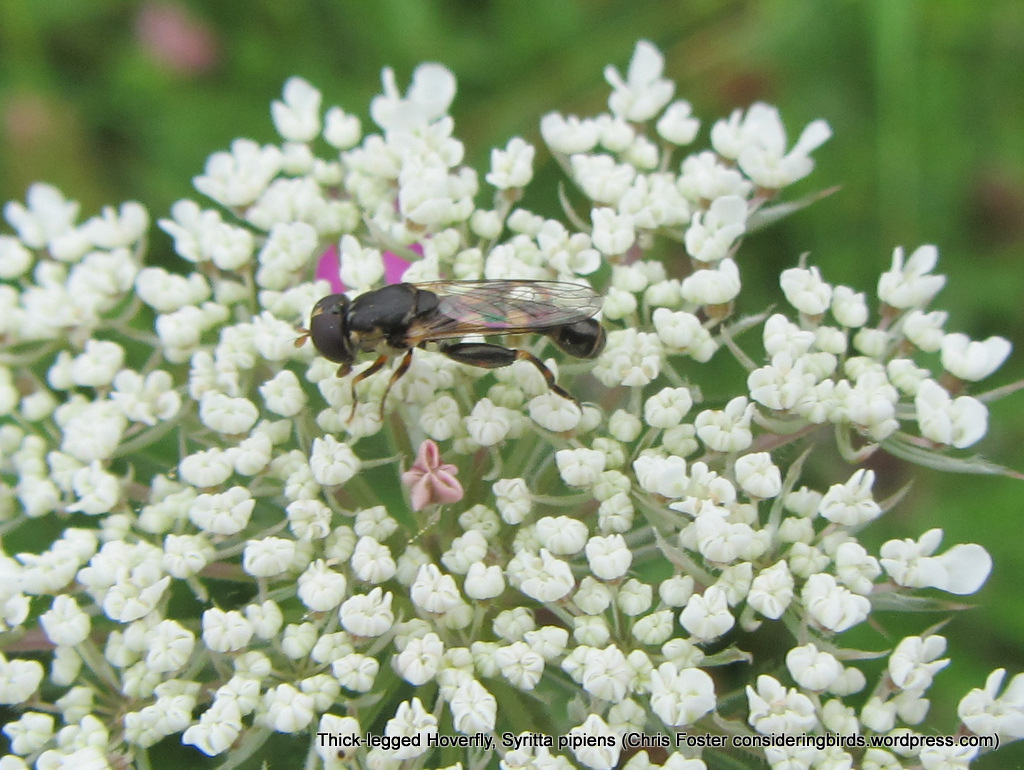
403 316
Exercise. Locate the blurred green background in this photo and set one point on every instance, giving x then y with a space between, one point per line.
113 100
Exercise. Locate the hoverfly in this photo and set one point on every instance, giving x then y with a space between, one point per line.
401 317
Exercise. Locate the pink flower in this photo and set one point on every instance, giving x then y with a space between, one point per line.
176 39
329 267
429 480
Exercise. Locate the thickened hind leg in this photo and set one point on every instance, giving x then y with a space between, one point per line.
490 356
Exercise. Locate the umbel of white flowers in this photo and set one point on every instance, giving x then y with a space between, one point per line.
214 545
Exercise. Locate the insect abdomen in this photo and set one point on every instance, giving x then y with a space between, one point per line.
582 339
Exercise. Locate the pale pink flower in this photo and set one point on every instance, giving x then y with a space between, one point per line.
429 480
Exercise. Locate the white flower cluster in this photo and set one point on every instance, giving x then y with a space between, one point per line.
170 432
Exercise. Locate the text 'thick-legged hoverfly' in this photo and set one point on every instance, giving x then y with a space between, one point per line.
400 317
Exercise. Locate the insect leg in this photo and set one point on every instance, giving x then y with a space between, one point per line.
495 356
523 355
402 368
372 368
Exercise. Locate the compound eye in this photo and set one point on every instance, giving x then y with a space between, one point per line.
328 329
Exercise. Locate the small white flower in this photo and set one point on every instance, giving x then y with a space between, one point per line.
727 430
806 290
831 605
332 462
631 358
519 664
361 267
29 734
561 535
553 412
683 332
618 304
681 696
985 712
268 557
419 662
45 220
223 513
911 285
297 117
677 124
782 384
434 591
341 130
771 590
706 616
440 418
960 422
667 407
812 668
973 361
354 671
97 490
15 259
925 329
849 308
474 709
872 342
609 557
227 415
185 555
644 92
483 582
713 233
488 424
237 178
613 233
568 135
579 467
65 623
372 561
226 631
368 615
321 588
512 498
775 710
634 597
757 141
624 426
715 285
544 577
206 468
851 503
92 432
286 709
97 364
915 662
513 166
758 476
856 568
429 96
148 399
961 570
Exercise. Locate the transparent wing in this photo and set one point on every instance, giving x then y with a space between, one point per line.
502 307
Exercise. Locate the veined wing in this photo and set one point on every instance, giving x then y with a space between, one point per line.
502 307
